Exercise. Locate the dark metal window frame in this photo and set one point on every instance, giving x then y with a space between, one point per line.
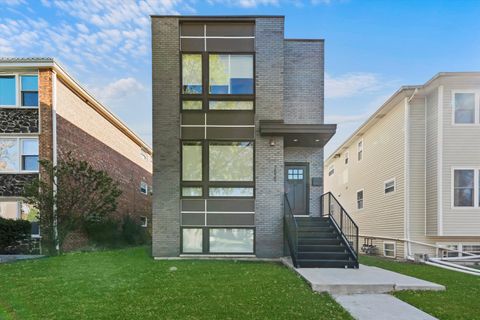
205 184
206 96
206 240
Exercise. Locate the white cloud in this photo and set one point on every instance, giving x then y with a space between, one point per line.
119 89
351 84
245 3
12 2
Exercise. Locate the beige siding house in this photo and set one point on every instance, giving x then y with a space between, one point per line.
410 175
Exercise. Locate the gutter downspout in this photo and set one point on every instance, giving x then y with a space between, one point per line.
407 174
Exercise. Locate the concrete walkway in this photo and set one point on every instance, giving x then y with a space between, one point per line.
365 279
380 306
362 291
15 257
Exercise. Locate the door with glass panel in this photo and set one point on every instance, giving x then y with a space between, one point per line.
296 187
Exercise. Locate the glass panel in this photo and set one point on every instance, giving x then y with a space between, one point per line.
231 192
231 161
231 74
143 187
464 108
8 155
231 240
7 91
29 83
9 209
192 240
192 161
30 147
192 73
231 105
191 191
463 188
192 105
29 99
30 163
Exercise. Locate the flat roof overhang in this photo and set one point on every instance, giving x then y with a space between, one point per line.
299 135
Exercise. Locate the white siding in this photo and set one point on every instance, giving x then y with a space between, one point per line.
383 159
461 148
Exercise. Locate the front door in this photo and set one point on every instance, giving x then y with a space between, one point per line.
296 177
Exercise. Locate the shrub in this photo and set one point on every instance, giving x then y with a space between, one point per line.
104 233
111 233
14 236
132 233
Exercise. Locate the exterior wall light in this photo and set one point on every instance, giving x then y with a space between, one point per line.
272 142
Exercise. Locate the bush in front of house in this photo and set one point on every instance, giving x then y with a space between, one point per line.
68 195
14 236
112 233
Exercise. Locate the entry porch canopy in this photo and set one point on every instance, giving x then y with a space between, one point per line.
299 135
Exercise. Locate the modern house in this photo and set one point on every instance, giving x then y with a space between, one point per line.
410 175
237 124
45 114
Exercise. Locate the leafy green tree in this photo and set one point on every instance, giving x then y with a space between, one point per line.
68 195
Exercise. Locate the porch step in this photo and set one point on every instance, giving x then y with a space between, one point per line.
315 228
324 255
322 248
316 235
316 241
316 263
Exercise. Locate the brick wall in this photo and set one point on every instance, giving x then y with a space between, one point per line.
127 173
304 81
166 137
269 161
45 107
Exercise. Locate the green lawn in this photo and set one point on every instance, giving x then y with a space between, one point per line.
459 301
128 284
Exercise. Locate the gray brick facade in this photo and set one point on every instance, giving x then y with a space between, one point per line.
289 85
269 159
166 137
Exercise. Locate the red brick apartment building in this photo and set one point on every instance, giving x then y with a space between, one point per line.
44 114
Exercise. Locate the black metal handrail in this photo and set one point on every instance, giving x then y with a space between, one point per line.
291 227
331 208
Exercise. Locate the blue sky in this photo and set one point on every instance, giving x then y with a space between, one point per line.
372 47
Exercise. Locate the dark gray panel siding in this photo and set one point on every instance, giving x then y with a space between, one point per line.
18 120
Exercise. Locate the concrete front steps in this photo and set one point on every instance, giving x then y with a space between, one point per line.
320 245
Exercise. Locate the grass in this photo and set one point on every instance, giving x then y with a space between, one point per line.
459 301
128 284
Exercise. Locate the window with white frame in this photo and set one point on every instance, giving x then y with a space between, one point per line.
450 250
464 187
346 157
360 150
389 186
389 249
465 107
19 90
143 187
331 170
143 221
360 199
18 155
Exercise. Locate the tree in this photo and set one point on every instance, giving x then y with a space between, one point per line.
67 195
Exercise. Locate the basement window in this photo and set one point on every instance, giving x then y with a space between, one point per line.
389 249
